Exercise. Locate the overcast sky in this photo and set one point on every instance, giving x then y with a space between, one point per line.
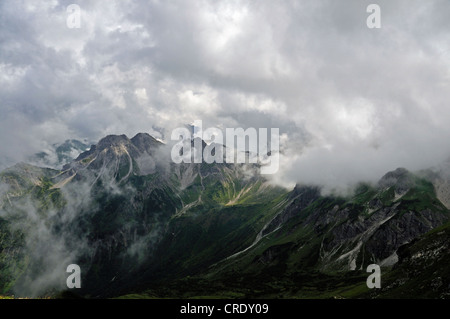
351 102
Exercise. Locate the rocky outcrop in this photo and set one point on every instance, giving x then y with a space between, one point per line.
300 198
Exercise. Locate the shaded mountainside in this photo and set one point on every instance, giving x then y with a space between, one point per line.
124 213
136 222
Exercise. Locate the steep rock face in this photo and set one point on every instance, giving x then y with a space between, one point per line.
356 234
332 233
421 271
116 155
357 243
145 143
300 198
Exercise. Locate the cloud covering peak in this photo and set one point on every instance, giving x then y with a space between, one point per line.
351 102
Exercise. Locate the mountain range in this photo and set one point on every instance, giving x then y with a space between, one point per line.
141 226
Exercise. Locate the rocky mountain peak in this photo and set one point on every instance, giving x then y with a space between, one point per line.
400 177
112 140
145 142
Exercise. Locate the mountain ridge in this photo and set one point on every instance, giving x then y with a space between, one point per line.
133 219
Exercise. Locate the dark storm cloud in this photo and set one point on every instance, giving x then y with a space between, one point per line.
351 102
